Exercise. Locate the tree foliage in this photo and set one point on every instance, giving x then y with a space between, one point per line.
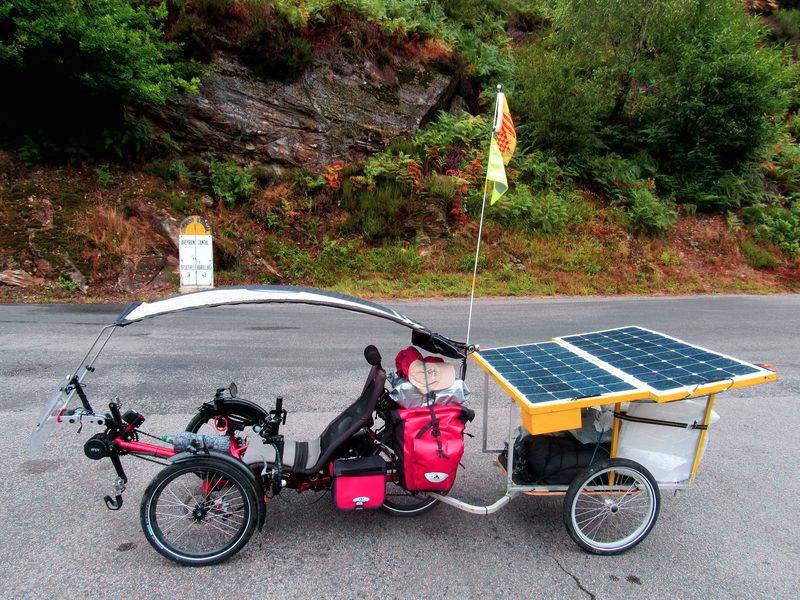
105 46
687 81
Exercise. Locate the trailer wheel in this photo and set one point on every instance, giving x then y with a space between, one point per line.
611 506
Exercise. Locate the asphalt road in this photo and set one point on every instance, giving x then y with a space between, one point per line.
735 534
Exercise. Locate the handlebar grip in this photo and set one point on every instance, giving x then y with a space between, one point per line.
279 404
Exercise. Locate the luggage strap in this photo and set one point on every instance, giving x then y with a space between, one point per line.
434 422
692 425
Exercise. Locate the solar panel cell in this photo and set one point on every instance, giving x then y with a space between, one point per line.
625 364
546 372
658 360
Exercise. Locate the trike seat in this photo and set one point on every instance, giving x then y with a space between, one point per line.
309 457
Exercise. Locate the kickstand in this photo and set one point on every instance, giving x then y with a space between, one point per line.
115 503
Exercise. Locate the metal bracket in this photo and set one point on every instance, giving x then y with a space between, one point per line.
485 424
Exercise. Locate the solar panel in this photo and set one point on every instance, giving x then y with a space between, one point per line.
660 361
548 371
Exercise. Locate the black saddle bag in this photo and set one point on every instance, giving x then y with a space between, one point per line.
551 460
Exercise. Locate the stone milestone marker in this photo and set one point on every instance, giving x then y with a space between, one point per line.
196 255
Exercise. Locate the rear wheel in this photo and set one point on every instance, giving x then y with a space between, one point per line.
199 512
611 506
398 501
402 503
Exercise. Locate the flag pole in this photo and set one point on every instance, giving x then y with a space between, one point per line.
480 229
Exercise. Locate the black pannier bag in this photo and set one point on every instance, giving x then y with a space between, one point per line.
551 460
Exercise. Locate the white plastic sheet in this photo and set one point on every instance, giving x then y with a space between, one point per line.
407 396
596 425
667 452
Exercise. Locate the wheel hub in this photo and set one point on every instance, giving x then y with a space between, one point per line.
199 513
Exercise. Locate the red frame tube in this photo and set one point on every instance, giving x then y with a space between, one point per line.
163 451
144 448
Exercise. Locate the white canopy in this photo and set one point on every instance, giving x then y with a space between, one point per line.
262 294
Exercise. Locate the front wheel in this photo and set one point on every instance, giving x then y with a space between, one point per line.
199 512
611 506
229 418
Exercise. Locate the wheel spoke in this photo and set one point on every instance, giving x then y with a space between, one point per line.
615 520
203 523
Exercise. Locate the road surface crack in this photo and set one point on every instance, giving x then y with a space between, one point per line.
577 581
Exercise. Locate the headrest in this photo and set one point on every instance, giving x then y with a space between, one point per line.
372 355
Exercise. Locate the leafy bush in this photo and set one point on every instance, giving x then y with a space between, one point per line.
560 107
476 30
757 257
647 214
75 65
617 175
67 284
776 224
402 169
306 181
277 53
729 190
784 168
541 170
264 34
295 264
335 260
793 126
448 131
105 46
169 170
104 177
634 76
545 212
230 182
375 212
443 186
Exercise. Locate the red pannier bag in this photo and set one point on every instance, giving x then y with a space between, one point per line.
358 483
430 444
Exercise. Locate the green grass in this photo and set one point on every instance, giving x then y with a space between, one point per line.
757 257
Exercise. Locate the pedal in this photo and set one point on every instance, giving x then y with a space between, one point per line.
276 483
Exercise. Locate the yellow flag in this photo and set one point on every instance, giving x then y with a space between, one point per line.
504 142
496 172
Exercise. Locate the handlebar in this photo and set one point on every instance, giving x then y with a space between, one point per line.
270 427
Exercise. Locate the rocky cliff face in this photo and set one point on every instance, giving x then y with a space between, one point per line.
342 107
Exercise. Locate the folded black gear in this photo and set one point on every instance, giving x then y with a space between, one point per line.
551 460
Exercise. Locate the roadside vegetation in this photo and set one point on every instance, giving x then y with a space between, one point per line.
658 145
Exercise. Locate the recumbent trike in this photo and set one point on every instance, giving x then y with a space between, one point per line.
380 453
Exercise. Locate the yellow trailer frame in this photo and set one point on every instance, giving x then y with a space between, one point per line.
550 416
563 415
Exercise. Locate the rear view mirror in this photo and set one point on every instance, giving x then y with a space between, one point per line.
233 390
